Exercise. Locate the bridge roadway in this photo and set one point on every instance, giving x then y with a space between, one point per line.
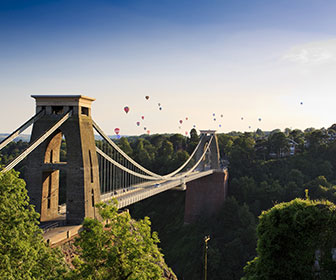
62 234
148 189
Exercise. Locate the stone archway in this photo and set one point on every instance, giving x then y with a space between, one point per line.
51 178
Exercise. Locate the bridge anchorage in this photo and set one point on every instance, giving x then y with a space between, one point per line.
98 170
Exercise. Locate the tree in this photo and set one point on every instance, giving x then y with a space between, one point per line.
141 155
289 237
225 143
179 141
192 141
125 146
298 136
23 253
278 143
164 157
121 249
261 148
317 140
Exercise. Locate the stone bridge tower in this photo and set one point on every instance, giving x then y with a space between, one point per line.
211 159
81 166
206 195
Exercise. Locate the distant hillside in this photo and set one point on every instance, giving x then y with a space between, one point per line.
22 137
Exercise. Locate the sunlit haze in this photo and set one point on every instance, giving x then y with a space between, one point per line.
268 60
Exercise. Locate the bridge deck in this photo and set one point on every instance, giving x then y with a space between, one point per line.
136 194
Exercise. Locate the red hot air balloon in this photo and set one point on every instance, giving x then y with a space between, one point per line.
117 130
181 121
148 131
186 118
126 109
147 97
143 117
137 123
186 133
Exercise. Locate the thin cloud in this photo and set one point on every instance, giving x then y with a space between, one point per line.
313 53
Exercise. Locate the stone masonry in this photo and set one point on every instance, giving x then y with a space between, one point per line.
81 167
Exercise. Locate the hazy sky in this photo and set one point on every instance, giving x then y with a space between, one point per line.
238 58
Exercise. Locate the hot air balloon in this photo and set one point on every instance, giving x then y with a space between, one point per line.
181 121
145 128
186 133
249 126
221 116
143 117
186 118
159 104
214 114
126 109
147 97
194 126
259 119
117 130
301 103
160 108
241 118
214 119
137 123
179 127
220 125
148 131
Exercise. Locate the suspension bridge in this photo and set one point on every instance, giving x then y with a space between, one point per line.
100 171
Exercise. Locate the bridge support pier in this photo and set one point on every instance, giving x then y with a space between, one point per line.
205 196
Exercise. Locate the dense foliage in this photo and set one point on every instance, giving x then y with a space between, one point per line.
292 237
121 249
23 254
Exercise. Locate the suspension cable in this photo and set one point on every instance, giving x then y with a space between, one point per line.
117 164
22 128
100 152
196 164
37 142
114 145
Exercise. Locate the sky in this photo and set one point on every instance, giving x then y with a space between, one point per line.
253 63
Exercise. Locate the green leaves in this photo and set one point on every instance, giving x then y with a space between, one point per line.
122 248
23 253
289 234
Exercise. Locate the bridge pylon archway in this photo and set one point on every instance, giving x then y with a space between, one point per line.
81 166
